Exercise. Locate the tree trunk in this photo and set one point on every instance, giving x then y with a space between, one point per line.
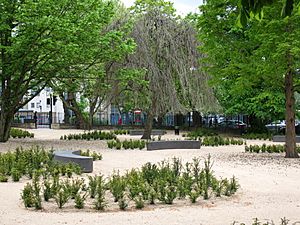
290 137
159 121
148 126
197 120
5 125
67 114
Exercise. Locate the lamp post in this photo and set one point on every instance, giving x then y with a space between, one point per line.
50 113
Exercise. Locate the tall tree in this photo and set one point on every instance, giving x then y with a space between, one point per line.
167 51
39 40
248 63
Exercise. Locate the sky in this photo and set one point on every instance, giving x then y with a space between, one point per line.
182 6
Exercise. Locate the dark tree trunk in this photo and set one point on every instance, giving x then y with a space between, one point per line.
290 137
257 125
81 122
67 114
5 125
159 121
197 119
148 126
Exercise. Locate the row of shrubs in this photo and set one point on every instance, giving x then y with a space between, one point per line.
93 135
26 162
262 136
95 155
267 148
18 133
220 141
153 183
127 144
200 132
120 132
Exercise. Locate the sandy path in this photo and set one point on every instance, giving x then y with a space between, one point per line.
270 187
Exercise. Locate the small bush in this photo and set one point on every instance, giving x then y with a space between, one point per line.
27 196
126 144
220 141
93 135
267 148
18 133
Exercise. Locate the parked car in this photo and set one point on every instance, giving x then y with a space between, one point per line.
279 126
234 124
276 126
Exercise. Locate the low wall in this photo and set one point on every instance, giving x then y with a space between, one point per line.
62 126
178 144
281 138
24 125
85 162
141 132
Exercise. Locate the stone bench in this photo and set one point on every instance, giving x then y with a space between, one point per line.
281 138
141 132
73 156
178 144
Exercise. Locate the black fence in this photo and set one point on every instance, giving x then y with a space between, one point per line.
229 124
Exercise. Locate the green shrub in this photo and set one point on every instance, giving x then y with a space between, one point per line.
120 132
126 144
139 202
100 202
91 135
18 133
27 196
35 159
220 141
260 136
79 200
164 181
267 148
3 178
200 132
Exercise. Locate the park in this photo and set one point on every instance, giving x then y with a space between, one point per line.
116 114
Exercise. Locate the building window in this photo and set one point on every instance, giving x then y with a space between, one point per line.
38 104
32 105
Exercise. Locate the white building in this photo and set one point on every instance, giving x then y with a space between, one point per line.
42 105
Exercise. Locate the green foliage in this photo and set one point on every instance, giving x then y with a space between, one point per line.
94 135
139 202
28 196
95 155
165 182
201 132
36 192
120 132
117 186
122 202
18 133
61 198
33 160
219 141
100 202
3 178
79 200
244 71
267 148
15 174
260 136
126 144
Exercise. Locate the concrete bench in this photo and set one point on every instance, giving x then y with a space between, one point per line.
281 138
66 156
141 132
178 144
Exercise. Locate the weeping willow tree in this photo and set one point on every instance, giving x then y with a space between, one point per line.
167 51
